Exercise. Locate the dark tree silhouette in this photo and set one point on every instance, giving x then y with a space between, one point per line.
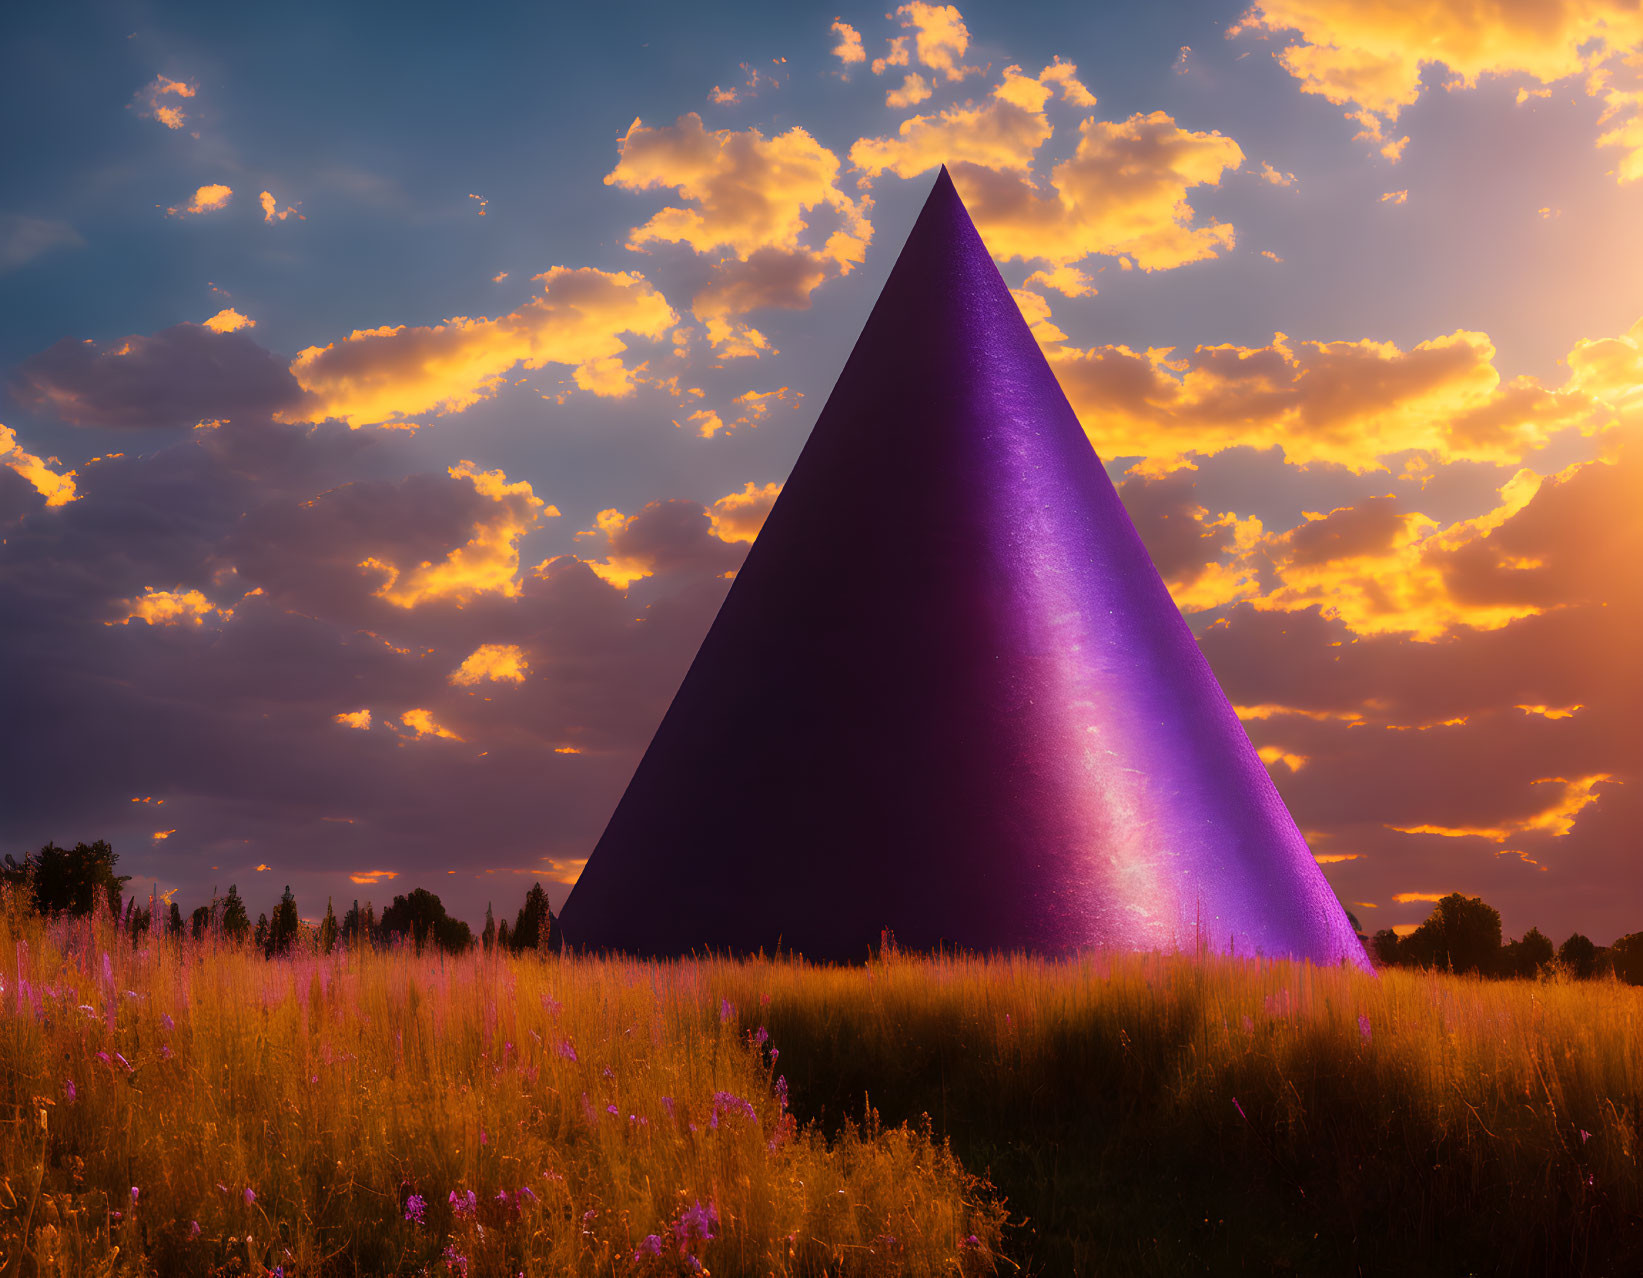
236 923
421 916
487 938
360 926
1461 934
74 880
533 929
328 929
259 938
1579 955
502 936
284 926
1626 958
1384 947
199 921
174 921
1526 956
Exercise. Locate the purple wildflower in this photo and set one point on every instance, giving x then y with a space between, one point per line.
118 1215
611 1109
730 1103
525 1191
69 1090
165 1020
775 1055
134 1192
781 1091
250 1195
165 1051
103 1056
727 1011
464 1208
973 1242
455 1261
566 1050
696 1221
193 1229
483 1138
415 1206
650 1245
667 1104
760 1036
1584 1134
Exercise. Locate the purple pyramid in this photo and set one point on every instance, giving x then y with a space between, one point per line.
948 693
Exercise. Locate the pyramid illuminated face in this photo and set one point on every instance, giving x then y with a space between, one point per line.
998 734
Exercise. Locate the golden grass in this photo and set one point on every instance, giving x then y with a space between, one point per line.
290 1109
1142 1114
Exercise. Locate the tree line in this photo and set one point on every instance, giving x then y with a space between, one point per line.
76 881
1462 934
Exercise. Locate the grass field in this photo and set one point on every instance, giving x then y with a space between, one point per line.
195 1108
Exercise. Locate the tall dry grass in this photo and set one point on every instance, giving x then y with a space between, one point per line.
1142 1114
1153 1114
189 1108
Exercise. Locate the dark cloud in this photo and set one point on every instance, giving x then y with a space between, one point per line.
1367 528
171 380
232 721
1169 515
1399 733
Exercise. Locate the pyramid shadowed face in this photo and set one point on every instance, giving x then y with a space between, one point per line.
993 729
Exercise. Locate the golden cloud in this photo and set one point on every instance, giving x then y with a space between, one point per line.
153 101
1066 280
1381 570
228 320
360 719
422 722
272 213
169 608
1325 401
494 661
749 201
207 199
898 56
57 489
914 89
487 564
739 516
940 37
370 878
1123 192
1556 819
380 375
620 570
1000 134
1372 54
849 49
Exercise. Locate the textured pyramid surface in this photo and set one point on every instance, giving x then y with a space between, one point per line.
948 693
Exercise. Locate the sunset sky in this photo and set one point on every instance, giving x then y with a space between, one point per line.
388 397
